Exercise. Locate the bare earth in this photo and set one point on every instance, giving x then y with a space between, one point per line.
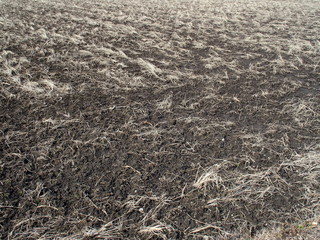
190 119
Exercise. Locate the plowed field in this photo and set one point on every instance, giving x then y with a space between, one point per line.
170 119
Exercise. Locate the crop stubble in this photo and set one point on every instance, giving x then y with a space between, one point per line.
158 119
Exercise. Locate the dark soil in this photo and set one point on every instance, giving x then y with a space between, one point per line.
98 148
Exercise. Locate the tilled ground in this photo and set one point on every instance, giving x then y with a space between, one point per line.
158 119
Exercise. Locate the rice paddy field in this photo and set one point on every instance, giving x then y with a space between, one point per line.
173 119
